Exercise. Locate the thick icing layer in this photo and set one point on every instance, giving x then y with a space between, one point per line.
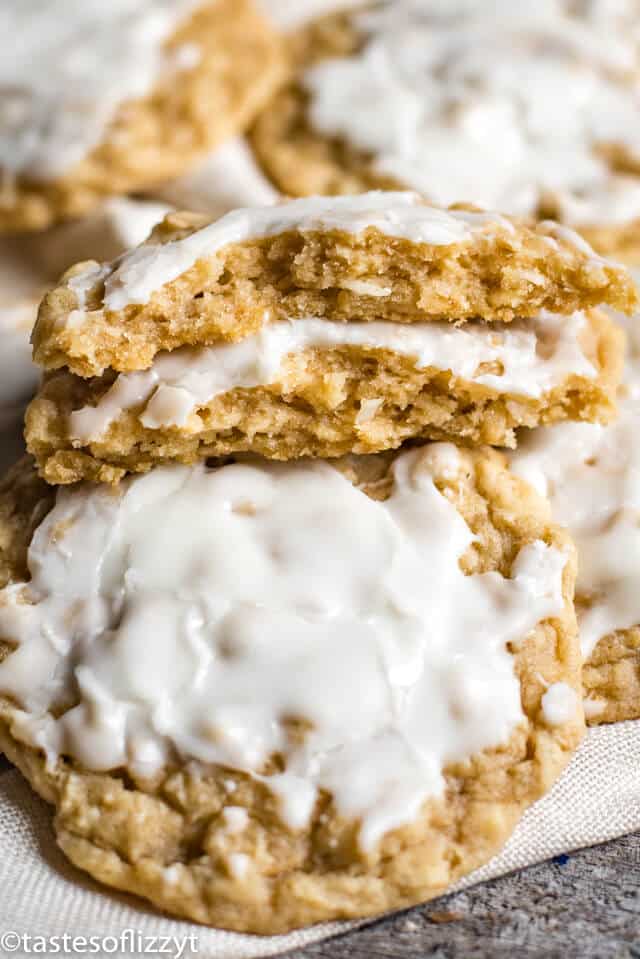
65 72
533 356
591 474
145 269
498 103
203 612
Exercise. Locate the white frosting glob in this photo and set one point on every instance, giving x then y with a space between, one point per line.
66 69
591 475
560 704
497 103
199 613
533 357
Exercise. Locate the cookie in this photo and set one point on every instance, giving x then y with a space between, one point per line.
380 256
315 387
155 85
281 791
591 476
516 107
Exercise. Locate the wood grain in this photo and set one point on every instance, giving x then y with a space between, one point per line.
582 906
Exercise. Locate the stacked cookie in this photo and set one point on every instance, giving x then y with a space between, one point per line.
106 99
273 655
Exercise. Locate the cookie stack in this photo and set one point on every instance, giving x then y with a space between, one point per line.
289 627
518 107
274 654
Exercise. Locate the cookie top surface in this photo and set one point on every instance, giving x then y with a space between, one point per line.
378 255
516 106
101 99
255 581
70 69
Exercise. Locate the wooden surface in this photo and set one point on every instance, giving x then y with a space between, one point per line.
582 906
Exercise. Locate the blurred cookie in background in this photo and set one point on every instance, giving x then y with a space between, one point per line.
230 175
591 476
517 107
113 98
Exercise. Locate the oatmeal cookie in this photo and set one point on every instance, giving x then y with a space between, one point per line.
590 476
459 104
381 256
157 85
321 388
261 801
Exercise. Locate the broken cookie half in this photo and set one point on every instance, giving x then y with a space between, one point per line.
322 327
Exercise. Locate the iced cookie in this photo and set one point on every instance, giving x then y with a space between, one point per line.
323 388
377 256
513 106
230 175
321 327
591 475
114 97
285 693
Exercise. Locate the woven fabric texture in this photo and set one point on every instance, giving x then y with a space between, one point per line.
597 798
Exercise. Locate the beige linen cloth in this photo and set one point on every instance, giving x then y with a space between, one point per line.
41 894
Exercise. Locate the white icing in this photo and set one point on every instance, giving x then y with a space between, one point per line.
235 818
228 178
496 103
64 73
142 271
534 356
273 593
559 704
591 475
239 864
